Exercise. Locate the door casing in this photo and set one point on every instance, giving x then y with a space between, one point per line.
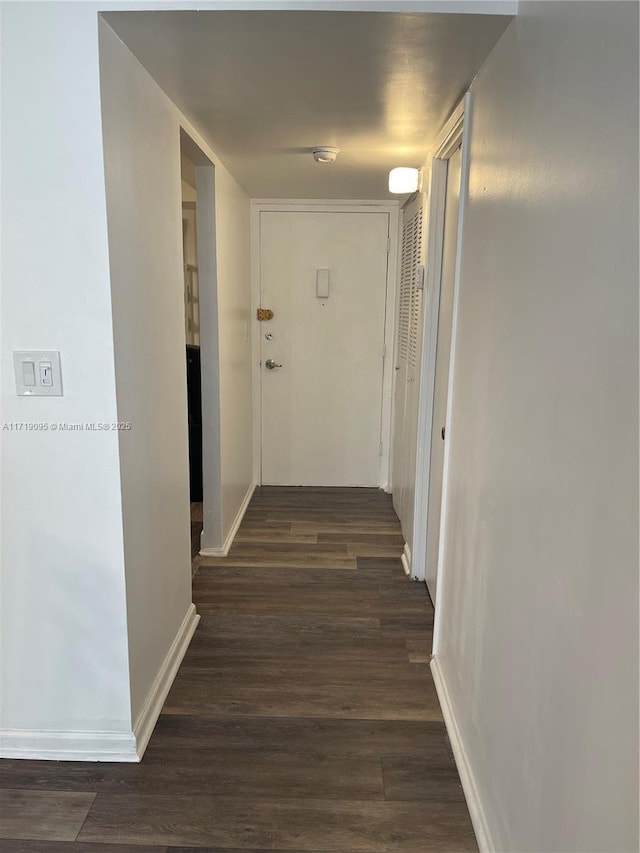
324 206
211 539
455 131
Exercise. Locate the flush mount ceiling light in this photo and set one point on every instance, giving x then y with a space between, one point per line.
404 180
325 154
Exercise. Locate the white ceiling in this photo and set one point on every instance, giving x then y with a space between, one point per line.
266 87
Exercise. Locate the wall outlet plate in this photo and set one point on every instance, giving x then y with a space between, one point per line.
37 373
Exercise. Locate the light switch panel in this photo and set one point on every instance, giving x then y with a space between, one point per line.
37 373
322 284
29 373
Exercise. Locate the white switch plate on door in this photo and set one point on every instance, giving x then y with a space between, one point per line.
37 373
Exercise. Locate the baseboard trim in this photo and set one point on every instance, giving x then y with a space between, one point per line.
405 559
223 552
44 745
148 716
474 803
47 745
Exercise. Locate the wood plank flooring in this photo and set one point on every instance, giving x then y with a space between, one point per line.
196 528
303 719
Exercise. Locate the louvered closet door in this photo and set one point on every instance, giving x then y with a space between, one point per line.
408 336
403 314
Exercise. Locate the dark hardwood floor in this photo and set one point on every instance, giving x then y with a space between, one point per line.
303 718
196 528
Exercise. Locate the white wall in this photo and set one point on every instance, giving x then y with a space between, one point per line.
143 179
64 643
189 247
67 643
144 210
538 643
188 192
188 172
234 341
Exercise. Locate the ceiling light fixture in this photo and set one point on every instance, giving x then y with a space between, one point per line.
325 154
403 180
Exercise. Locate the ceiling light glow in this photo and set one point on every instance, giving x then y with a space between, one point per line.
404 180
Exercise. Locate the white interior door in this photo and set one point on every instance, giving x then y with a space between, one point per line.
321 409
403 316
408 342
443 355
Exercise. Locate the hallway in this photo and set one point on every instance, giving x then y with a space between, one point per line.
303 718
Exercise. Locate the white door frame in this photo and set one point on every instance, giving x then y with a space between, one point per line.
455 131
211 541
259 206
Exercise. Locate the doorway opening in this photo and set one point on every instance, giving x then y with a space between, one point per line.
192 338
201 344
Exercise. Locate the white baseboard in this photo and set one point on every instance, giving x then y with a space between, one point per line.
47 745
405 559
465 771
222 552
148 716
67 745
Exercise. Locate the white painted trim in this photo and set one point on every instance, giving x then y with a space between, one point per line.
449 426
256 375
388 372
391 207
465 770
148 716
228 542
459 7
322 204
451 134
43 745
405 559
454 131
206 225
394 479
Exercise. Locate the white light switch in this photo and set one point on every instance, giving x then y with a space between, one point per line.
37 373
322 284
28 373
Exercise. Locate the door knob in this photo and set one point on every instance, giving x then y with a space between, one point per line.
270 364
